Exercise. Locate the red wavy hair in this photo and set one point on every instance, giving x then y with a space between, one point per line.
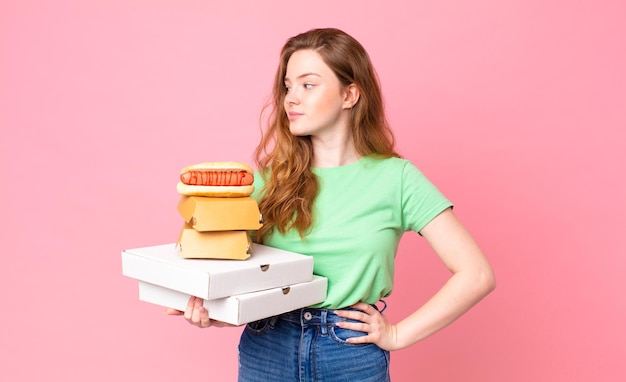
284 160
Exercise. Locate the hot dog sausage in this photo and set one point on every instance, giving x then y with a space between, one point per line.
216 178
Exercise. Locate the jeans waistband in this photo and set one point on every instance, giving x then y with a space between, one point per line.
311 316
318 316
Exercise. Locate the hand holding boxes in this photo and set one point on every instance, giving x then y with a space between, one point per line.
270 282
204 262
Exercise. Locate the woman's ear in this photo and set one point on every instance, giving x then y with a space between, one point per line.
352 95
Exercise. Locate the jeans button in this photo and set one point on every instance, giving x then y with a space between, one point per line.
308 316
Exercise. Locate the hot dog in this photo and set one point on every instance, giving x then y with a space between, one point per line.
216 179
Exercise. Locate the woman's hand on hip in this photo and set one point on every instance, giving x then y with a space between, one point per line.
379 331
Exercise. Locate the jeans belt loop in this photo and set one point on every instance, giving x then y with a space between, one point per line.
324 323
302 320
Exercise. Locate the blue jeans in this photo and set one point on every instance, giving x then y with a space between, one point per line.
305 346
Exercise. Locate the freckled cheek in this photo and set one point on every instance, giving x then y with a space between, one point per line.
329 106
321 103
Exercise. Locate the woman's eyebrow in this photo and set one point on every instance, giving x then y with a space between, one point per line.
304 75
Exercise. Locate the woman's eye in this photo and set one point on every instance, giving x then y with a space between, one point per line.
308 86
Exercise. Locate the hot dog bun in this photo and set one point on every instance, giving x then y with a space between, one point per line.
214 191
218 166
216 179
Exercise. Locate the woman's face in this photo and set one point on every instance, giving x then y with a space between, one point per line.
315 99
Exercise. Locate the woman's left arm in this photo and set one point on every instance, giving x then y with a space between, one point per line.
472 279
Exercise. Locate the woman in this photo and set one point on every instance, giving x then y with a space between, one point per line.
330 185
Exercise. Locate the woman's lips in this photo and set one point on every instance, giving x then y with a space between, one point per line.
293 115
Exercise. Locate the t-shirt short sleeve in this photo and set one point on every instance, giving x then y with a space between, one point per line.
421 199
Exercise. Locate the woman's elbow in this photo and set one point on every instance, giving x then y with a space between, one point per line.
486 280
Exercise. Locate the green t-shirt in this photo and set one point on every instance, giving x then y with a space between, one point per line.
360 214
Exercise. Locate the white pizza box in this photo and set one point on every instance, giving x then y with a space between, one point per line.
216 278
243 308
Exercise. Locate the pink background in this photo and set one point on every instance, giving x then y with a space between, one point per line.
515 109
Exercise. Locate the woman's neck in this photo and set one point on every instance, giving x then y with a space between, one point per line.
333 153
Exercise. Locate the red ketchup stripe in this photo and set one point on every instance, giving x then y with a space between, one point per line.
216 178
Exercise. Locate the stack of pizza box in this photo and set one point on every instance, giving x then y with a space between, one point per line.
272 281
214 259
217 228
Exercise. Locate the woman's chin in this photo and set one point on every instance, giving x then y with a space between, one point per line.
299 133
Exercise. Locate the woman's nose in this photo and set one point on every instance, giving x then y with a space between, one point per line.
291 98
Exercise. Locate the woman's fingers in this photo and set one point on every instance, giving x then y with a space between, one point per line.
190 306
205 321
173 312
196 314
363 314
371 322
198 309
